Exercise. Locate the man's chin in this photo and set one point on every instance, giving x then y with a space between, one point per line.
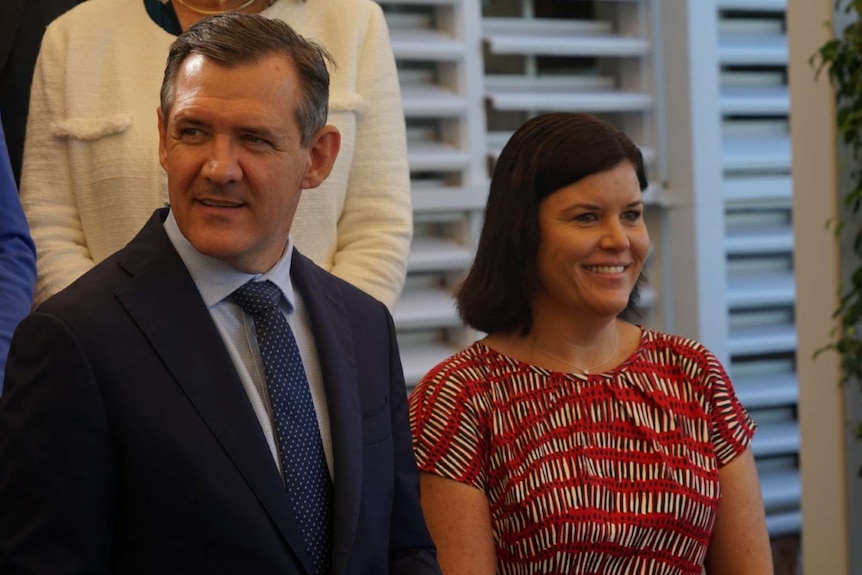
222 249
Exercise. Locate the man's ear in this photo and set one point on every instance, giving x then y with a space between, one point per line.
163 148
322 151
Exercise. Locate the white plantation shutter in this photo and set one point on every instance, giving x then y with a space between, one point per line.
757 190
437 49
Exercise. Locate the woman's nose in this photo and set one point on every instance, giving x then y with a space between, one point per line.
614 235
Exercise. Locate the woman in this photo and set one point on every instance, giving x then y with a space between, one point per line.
91 175
570 440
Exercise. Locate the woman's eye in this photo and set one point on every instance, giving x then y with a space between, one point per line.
632 215
587 217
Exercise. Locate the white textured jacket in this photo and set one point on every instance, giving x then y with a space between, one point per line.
91 175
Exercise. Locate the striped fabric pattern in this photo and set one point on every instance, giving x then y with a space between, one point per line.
601 474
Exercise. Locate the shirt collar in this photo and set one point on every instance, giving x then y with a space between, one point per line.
216 280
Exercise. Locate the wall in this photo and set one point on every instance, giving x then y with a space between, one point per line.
817 264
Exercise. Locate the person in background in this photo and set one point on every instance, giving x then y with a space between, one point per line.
22 23
91 173
570 440
17 258
208 400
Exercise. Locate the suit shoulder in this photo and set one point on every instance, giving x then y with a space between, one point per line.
309 270
90 292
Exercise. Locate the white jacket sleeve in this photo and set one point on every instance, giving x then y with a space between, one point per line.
375 226
47 193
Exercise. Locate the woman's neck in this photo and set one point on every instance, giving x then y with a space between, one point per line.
584 348
579 328
584 342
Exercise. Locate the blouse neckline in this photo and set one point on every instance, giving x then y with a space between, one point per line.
646 335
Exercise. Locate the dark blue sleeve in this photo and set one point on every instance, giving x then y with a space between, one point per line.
17 258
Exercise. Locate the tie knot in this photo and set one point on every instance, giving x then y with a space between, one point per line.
256 298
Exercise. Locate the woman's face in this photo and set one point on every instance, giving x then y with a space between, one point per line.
592 245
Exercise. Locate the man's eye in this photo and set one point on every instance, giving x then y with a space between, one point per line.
255 140
190 132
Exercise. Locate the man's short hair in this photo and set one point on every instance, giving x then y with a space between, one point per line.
234 39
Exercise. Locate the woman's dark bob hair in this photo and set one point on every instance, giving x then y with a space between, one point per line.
547 153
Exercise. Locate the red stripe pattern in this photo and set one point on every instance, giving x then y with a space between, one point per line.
608 473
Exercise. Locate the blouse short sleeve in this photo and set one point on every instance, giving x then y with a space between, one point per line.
448 420
732 427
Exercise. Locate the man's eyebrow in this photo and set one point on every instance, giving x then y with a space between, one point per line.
259 130
189 121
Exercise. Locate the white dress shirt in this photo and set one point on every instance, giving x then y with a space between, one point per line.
216 281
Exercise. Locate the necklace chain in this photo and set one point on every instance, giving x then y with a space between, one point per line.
584 370
242 6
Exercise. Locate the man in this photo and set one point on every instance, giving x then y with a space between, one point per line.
151 424
17 258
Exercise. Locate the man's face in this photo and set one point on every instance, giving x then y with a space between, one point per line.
236 167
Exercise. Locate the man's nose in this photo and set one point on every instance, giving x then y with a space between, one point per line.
222 164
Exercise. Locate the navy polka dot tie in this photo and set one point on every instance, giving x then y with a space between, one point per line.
300 447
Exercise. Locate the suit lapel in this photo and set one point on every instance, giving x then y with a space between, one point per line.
165 303
335 350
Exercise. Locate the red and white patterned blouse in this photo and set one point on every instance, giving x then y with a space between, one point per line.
602 474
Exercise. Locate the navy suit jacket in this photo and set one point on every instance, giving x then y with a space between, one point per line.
128 444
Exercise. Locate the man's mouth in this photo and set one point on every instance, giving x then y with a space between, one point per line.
220 204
